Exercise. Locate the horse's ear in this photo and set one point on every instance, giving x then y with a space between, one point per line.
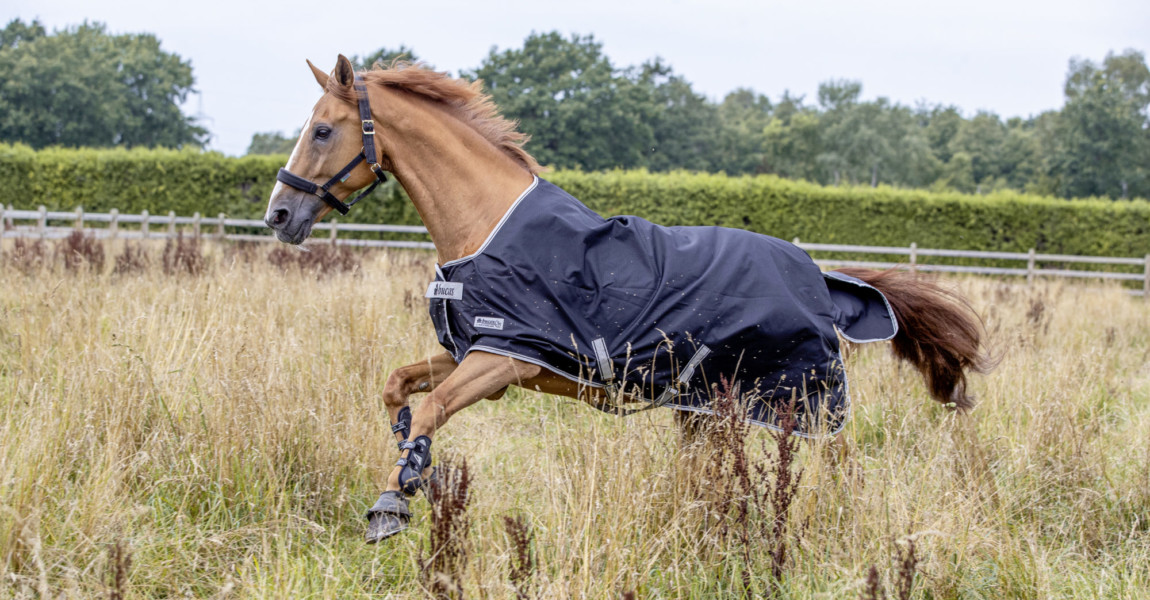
320 76
344 72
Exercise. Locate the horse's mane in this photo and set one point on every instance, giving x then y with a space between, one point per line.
465 99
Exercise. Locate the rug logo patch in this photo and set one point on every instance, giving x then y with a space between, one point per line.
445 289
489 323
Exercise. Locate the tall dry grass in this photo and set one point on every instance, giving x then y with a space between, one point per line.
218 432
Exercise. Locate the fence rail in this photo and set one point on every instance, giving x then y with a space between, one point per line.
167 226
1032 258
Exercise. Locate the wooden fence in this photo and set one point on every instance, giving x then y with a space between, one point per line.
148 226
46 224
1032 259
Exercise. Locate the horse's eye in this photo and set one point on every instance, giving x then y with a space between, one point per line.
322 133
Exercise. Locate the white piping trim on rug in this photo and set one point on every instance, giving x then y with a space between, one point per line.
889 310
491 236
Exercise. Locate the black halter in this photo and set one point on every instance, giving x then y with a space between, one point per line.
367 153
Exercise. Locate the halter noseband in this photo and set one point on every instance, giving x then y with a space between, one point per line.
367 153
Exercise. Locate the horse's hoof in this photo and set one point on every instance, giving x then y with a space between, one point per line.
387 517
381 526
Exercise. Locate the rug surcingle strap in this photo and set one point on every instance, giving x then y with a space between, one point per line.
669 393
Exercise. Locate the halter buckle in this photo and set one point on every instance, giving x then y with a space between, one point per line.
369 127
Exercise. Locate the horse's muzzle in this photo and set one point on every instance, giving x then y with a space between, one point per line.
277 218
291 226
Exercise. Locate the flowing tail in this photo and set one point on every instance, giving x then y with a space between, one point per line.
938 332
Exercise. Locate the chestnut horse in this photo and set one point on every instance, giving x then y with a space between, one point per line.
464 168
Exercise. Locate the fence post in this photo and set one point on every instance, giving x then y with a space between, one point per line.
220 231
114 225
913 256
1146 281
1030 267
79 217
334 230
144 224
42 222
171 223
196 225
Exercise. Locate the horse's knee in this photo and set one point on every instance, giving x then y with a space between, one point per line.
394 399
395 390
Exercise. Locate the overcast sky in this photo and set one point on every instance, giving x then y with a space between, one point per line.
1003 56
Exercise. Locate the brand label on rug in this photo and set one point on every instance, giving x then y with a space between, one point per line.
444 289
489 323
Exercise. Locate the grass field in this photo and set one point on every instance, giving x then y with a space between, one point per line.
219 435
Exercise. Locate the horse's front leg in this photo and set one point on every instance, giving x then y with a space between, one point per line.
480 375
415 378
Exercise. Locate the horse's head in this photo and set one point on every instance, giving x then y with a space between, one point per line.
331 142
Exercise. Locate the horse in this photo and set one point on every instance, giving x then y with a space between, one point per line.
534 289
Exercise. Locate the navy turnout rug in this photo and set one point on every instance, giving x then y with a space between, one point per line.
662 313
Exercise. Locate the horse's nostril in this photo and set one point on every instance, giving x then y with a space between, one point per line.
278 217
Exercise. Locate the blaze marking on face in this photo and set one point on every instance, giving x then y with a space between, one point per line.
291 160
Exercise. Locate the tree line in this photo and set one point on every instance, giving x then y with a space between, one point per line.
83 86
584 112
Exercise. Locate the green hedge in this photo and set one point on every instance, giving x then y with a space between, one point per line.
882 216
159 181
134 180
210 183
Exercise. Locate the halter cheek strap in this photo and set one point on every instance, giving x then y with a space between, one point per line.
367 153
